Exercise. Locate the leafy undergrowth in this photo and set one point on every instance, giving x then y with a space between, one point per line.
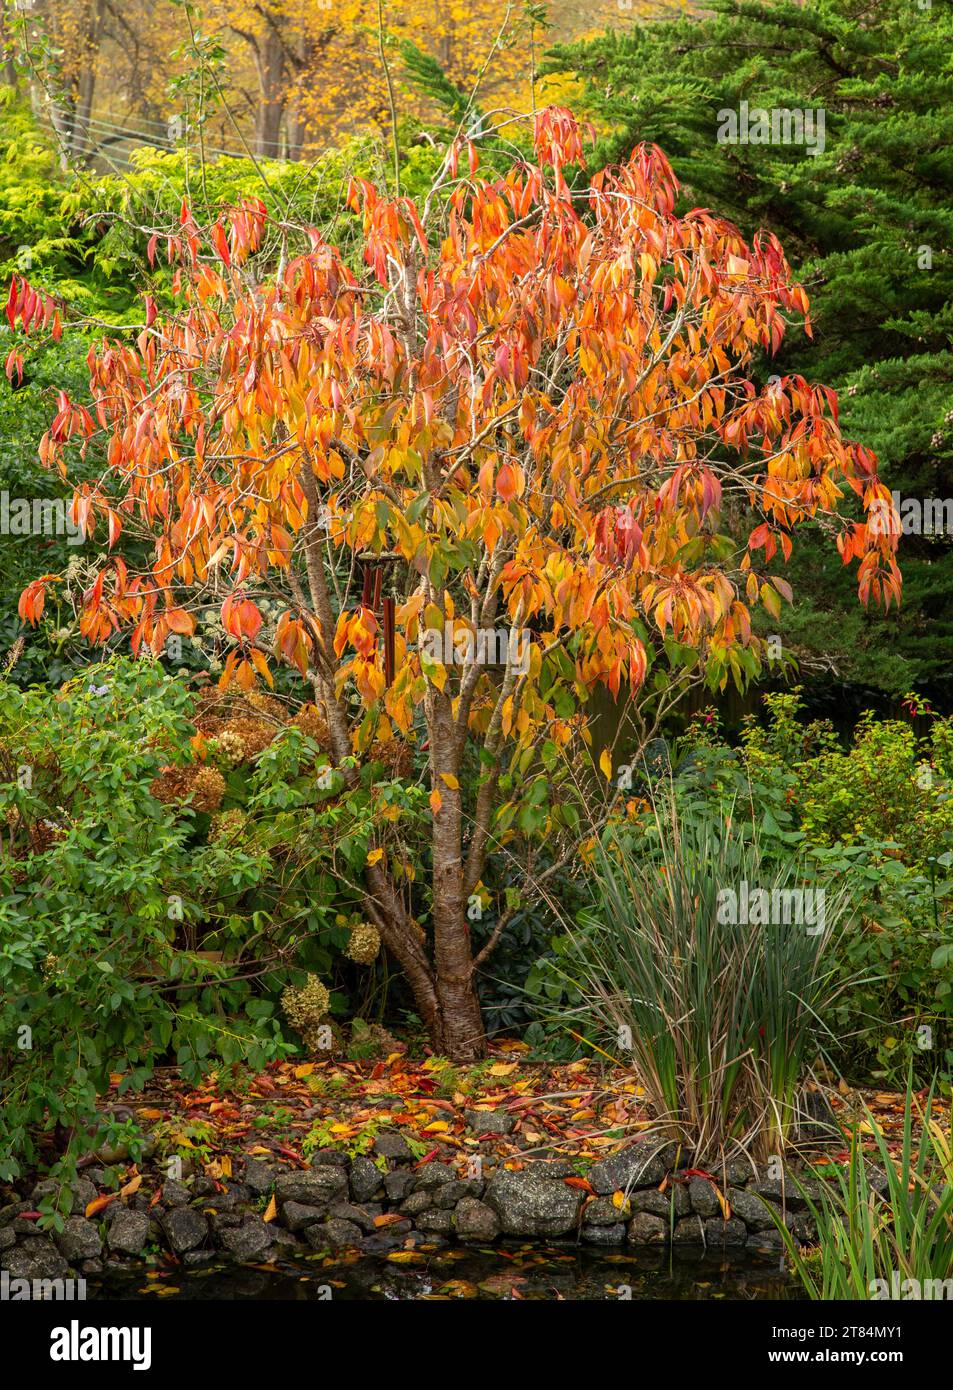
579 1110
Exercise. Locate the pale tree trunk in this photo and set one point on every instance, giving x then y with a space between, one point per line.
271 107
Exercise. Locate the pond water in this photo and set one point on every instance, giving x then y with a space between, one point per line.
526 1272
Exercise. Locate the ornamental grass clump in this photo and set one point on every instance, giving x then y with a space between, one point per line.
710 964
884 1232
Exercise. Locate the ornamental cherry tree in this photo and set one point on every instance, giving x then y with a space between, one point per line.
531 409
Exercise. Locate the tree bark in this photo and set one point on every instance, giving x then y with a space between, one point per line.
272 77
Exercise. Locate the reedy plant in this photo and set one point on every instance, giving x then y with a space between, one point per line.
723 1019
883 1239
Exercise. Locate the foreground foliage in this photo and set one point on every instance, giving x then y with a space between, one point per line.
95 880
884 1232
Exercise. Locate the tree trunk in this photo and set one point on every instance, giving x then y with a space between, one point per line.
271 107
458 1029
459 1026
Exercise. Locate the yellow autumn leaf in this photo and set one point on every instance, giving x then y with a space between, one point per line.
450 781
436 801
375 856
271 1211
503 1068
605 763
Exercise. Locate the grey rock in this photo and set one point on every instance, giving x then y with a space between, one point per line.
282 1237
12 1210
220 1221
817 1123
555 1168
398 1184
730 1232
78 1240
489 1122
329 1158
789 1192
35 1258
8 1238
433 1175
646 1229
753 1210
184 1228
802 1228
46 1187
602 1211
250 1240
333 1233
703 1197
604 1235
260 1177
737 1172
315 1188
128 1231
390 1144
450 1193
21 1226
364 1216
366 1179
474 1220
530 1205
297 1216
641 1165
663 1203
688 1231
84 1192
436 1220
175 1194
230 1198
417 1202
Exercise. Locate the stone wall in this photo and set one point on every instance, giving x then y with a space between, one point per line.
386 1201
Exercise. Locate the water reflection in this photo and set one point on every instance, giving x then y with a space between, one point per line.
505 1272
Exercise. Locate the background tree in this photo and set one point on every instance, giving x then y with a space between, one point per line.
868 224
533 412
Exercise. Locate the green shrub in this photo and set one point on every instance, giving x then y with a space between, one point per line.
98 887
